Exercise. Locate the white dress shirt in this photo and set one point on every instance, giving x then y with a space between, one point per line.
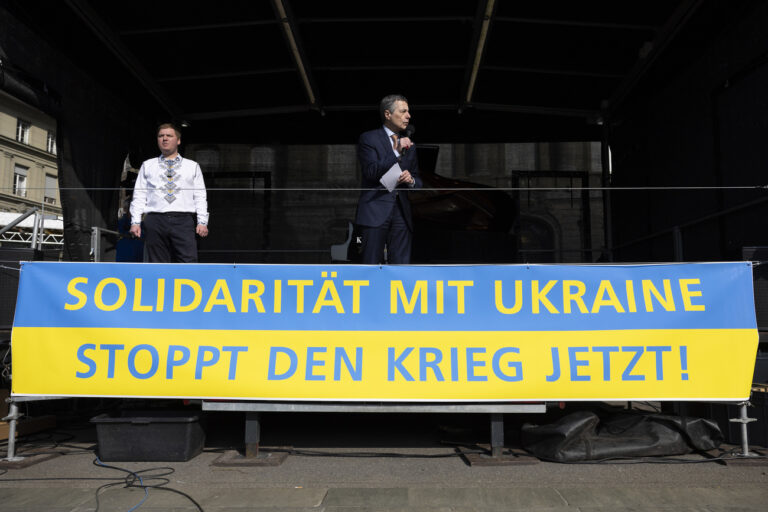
153 188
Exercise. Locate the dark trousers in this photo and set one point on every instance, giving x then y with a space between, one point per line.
170 237
394 234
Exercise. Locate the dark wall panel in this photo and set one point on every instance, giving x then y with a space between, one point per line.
702 124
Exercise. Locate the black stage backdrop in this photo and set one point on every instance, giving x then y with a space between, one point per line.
95 129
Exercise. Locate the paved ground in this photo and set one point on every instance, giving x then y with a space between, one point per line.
354 466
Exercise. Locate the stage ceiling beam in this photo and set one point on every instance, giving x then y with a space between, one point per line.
574 23
671 28
387 19
188 28
293 109
482 26
297 50
492 107
246 112
107 36
549 71
533 109
231 74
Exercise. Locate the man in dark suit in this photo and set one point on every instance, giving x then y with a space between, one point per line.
384 217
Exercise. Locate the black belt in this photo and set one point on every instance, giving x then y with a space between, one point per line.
172 214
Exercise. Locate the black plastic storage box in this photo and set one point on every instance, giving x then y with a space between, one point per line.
149 436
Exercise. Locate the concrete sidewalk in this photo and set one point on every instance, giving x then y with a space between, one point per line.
365 463
338 482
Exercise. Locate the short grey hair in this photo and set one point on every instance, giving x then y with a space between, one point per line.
388 103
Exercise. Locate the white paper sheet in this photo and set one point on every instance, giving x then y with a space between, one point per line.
389 180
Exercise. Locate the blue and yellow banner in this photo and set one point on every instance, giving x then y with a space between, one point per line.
392 333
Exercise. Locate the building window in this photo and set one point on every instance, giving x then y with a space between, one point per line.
51 185
20 180
22 131
51 146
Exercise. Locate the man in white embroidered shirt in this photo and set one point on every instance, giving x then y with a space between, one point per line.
170 193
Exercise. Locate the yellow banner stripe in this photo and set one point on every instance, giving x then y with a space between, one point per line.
712 364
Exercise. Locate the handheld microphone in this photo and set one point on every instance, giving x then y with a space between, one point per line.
408 132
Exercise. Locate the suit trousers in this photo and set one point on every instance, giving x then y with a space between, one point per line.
170 237
394 234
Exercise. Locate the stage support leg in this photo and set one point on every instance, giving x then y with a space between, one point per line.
744 420
252 456
497 456
252 434
13 416
497 435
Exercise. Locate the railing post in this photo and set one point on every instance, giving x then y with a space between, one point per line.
41 231
605 164
677 241
96 243
35 227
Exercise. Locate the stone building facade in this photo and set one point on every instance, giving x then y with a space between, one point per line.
28 172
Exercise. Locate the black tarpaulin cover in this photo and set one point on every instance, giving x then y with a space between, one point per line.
583 435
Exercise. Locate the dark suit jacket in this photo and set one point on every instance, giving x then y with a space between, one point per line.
374 151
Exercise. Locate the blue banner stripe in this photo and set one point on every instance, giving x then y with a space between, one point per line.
390 298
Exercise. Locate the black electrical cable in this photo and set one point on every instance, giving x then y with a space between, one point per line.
54 479
131 482
156 474
33 444
40 437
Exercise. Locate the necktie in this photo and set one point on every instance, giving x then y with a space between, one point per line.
394 141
